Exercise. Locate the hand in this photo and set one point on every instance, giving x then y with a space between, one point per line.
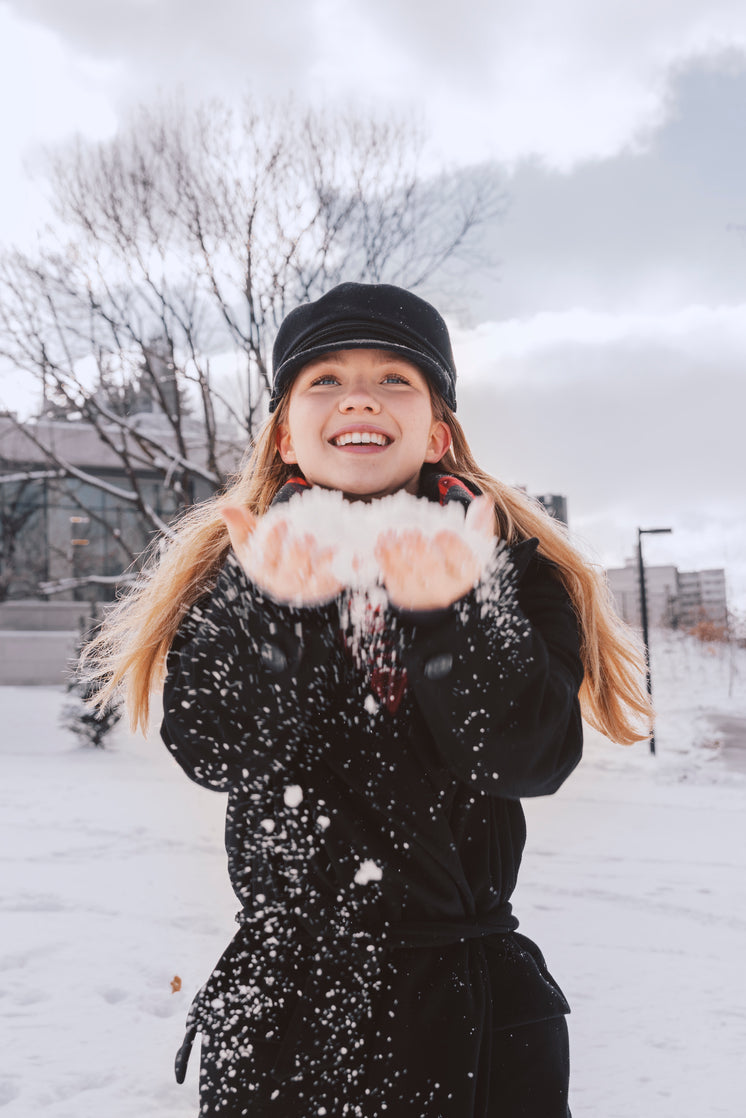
290 568
424 573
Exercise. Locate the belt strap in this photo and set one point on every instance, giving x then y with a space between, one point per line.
408 933
443 933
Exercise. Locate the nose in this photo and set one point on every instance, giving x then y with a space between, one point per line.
359 397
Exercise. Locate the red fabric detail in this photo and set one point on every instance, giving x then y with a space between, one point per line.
298 481
389 685
446 483
388 682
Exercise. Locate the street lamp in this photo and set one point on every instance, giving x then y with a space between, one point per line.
644 611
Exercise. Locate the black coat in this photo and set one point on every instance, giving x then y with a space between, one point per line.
374 834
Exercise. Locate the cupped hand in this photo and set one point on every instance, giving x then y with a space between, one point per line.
290 568
431 572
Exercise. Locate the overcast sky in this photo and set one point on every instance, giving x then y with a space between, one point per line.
605 359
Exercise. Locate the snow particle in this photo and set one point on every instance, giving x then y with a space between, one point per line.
368 871
293 795
371 705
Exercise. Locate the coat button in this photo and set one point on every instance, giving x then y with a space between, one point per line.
273 657
437 667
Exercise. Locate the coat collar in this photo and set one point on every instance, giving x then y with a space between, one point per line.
434 485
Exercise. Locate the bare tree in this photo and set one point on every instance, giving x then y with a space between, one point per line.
187 238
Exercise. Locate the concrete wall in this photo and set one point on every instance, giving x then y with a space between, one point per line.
36 657
38 640
33 614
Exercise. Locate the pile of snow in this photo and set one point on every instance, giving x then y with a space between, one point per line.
633 884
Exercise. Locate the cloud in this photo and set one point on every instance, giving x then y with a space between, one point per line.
527 346
184 37
648 231
567 82
46 94
32 61
635 424
632 396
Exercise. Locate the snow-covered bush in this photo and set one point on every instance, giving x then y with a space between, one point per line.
90 725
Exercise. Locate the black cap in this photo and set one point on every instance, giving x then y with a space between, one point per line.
365 316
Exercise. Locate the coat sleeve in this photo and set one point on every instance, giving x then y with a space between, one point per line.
496 677
242 674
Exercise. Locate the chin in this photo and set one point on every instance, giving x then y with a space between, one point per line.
367 493
368 489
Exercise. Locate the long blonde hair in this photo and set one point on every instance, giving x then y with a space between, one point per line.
130 651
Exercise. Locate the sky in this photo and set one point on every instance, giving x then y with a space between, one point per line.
604 357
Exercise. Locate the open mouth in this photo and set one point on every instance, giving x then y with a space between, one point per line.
361 438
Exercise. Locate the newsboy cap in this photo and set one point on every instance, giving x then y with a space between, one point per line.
365 316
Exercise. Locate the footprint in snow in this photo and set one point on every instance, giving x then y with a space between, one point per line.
8 1092
113 995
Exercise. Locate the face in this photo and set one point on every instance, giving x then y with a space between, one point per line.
361 421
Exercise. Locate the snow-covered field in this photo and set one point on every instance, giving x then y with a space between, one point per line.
634 884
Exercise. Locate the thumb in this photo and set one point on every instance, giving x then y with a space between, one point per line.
240 524
480 515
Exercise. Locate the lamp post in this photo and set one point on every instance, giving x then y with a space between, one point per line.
644 611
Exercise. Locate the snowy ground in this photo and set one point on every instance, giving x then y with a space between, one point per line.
633 883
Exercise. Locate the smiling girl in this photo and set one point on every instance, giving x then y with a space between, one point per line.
374 827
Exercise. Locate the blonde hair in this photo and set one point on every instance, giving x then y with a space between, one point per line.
130 651
613 697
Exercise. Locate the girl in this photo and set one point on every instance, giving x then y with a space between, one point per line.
374 827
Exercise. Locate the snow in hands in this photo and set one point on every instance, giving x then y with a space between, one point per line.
355 537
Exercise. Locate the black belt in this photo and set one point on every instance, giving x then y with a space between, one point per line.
498 921
403 933
444 933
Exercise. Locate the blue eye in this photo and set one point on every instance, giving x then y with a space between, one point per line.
325 378
395 378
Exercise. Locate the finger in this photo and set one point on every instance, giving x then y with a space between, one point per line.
274 545
240 524
480 515
325 558
392 560
326 582
404 536
293 570
410 544
454 554
306 577
384 546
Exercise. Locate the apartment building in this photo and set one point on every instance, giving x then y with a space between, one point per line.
675 599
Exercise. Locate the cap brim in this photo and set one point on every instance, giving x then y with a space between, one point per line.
290 368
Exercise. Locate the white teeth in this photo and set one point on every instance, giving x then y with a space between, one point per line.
361 437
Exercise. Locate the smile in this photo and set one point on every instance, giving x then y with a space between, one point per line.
361 438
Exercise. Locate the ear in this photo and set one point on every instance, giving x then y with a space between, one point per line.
439 442
285 446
